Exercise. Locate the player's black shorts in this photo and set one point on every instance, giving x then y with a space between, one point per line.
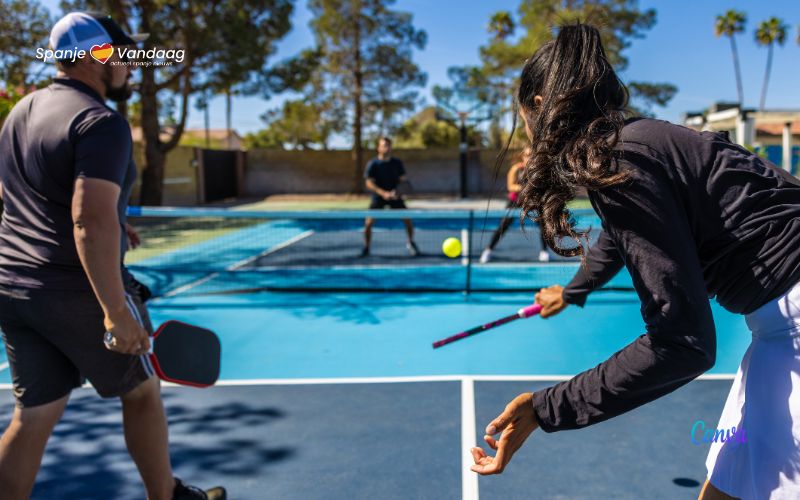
54 339
378 203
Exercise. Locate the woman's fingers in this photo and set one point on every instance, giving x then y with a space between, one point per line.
514 425
482 461
510 441
478 454
483 465
499 424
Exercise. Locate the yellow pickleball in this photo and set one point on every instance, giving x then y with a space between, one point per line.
452 247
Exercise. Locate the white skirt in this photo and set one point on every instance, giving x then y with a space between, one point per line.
762 460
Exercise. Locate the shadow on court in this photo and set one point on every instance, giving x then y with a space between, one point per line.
353 308
87 458
646 453
380 440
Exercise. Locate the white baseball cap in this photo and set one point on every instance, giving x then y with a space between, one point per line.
82 30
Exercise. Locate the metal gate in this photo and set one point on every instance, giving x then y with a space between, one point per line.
220 174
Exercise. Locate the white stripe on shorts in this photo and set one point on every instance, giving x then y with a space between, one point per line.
144 358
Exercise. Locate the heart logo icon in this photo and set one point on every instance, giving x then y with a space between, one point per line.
102 53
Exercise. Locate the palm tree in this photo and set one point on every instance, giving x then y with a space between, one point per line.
769 33
729 24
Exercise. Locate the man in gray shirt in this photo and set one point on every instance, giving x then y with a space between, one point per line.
66 173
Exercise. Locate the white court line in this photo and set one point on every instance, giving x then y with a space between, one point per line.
279 246
421 379
191 285
469 479
424 378
3 366
237 265
400 380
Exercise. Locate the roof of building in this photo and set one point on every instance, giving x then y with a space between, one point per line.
777 128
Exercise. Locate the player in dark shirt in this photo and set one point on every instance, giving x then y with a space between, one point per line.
691 216
383 176
66 172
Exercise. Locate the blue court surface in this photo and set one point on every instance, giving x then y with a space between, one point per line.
340 395
327 392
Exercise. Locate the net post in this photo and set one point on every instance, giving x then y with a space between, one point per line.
469 251
464 245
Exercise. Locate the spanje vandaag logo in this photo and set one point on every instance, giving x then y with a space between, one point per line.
102 53
153 56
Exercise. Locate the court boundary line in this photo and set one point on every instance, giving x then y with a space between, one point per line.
426 378
403 380
470 486
469 479
189 286
280 246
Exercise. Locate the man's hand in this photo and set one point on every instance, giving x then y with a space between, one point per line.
388 195
133 237
552 300
128 336
515 424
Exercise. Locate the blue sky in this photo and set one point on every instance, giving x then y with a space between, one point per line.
680 49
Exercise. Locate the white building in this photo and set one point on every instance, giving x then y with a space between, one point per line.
773 133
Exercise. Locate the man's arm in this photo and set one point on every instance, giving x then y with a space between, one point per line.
511 179
375 189
102 159
97 236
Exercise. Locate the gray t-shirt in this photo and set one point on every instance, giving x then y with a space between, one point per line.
51 138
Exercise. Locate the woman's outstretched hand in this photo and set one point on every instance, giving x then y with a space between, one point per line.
552 300
515 424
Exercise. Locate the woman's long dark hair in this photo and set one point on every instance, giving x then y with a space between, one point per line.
573 130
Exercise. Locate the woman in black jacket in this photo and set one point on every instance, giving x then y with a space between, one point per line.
691 216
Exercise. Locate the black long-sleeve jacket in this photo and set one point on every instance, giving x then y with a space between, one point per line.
699 217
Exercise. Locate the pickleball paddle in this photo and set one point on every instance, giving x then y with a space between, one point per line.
186 354
403 189
525 312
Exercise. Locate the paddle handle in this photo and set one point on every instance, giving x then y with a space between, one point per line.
525 312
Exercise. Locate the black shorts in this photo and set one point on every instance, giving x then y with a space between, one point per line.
378 203
54 340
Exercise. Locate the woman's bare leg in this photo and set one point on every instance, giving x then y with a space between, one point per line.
709 492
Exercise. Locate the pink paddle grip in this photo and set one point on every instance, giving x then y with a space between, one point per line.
531 310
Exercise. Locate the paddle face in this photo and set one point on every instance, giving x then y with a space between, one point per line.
403 189
186 354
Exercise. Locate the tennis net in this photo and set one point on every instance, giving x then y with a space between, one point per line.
206 251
